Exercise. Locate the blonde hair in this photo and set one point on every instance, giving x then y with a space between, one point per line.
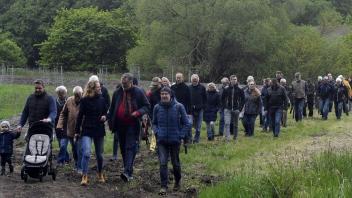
89 90
211 85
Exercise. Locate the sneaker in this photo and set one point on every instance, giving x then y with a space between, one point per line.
162 191
84 181
124 177
101 177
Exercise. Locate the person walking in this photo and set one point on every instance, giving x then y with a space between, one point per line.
128 105
91 119
299 91
170 125
67 124
224 85
211 109
325 91
340 95
252 107
6 145
232 101
310 97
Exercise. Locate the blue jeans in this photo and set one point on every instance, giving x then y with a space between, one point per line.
221 122
299 105
79 154
249 123
164 150
210 130
338 109
189 133
129 142
324 108
266 122
197 122
275 116
86 142
65 157
115 146
63 154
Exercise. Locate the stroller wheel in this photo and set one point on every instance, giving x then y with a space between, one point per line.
41 178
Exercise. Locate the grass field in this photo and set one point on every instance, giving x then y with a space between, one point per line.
258 166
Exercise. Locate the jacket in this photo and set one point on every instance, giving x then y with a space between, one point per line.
299 89
6 141
340 93
140 105
253 104
212 106
198 97
183 95
170 122
325 90
233 98
276 98
68 117
91 110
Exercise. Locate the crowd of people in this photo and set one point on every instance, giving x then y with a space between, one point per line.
172 111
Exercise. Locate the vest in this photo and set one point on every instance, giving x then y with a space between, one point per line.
38 107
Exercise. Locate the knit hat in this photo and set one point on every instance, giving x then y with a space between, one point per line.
7 123
166 89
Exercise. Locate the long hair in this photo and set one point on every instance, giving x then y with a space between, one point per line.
89 90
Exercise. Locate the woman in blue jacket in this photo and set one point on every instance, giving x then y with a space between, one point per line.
170 124
211 109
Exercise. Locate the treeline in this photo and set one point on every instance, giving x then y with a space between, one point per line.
213 37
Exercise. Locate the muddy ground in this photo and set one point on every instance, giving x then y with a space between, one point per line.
146 181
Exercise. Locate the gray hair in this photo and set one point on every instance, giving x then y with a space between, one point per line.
224 79
129 76
283 80
93 78
77 89
61 88
195 76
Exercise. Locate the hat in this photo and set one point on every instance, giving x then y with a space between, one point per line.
7 123
166 89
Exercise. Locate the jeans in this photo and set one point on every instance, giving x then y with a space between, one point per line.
86 150
115 146
189 133
299 105
284 118
228 116
197 123
63 150
66 156
164 150
267 122
338 109
221 122
210 130
129 142
275 116
249 123
324 107
79 152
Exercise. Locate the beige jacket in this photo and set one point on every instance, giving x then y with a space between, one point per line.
68 116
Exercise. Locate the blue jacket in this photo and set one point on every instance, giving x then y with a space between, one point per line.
212 106
326 90
170 123
6 141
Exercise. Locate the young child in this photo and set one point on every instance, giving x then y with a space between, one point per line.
6 145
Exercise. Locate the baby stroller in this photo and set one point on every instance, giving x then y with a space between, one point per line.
37 158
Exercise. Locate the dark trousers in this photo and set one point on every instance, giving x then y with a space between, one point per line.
115 145
310 104
6 158
249 123
129 141
275 118
299 105
164 151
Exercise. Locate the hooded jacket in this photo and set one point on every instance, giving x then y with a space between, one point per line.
6 141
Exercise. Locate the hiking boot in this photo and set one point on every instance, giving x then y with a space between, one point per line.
11 168
162 191
177 186
2 171
84 181
101 177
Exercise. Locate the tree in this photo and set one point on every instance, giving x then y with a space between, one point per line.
10 53
86 38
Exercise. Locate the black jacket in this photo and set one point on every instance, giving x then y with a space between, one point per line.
6 141
276 98
91 110
183 95
212 106
198 97
106 96
233 98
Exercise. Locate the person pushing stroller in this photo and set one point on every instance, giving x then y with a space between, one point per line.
6 145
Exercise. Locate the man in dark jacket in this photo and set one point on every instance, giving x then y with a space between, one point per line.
6 145
153 94
39 106
264 93
170 125
325 91
275 101
310 97
198 103
340 95
129 103
183 96
232 101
